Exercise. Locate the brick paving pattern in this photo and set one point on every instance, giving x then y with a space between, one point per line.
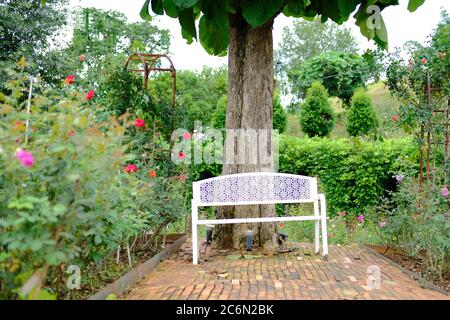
298 274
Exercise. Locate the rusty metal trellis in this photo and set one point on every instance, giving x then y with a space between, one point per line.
428 138
148 61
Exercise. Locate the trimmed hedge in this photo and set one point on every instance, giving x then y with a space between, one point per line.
353 174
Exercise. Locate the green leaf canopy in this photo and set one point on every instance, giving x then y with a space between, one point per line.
213 15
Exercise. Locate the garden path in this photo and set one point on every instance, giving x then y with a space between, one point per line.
298 274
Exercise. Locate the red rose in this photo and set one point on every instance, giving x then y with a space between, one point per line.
139 123
70 79
90 95
395 119
182 178
82 58
186 136
424 60
181 155
343 213
152 173
130 168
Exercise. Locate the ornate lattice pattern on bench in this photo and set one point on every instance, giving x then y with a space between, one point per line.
257 188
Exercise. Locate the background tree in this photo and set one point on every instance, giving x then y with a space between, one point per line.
198 94
105 38
317 116
361 118
279 114
341 73
244 27
26 29
306 39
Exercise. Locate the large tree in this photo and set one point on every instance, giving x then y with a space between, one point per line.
306 39
27 28
244 27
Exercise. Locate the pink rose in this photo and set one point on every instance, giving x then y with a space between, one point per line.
25 158
130 168
361 218
139 123
186 136
90 95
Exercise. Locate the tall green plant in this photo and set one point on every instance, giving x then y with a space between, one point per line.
317 116
361 118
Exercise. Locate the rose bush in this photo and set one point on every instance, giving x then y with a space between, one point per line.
65 198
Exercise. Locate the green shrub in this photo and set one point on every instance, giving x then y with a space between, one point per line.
317 117
279 114
361 118
354 175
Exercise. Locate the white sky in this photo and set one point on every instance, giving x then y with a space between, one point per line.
401 24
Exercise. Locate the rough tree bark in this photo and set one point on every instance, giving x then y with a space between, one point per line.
249 106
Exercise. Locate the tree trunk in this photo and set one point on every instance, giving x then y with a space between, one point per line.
249 106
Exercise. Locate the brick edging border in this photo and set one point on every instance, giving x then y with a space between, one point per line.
130 278
415 276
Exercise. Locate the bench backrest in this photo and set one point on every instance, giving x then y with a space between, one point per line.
255 188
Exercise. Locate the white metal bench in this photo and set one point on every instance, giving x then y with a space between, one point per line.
254 189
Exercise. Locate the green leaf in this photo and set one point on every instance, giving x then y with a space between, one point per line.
330 9
187 22
214 39
346 7
170 8
184 3
414 4
55 258
257 13
157 7
36 245
145 15
97 239
59 209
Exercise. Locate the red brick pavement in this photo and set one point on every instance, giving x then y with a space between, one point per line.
298 274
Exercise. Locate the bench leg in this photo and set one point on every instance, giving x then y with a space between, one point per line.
323 218
316 228
194 235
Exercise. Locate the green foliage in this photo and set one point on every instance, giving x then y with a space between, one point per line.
307 39
279 115
27 28
198 94
214 16
76 204
122 92
407 81
218 119
341 73
361 118
317 117
354 175
422 231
